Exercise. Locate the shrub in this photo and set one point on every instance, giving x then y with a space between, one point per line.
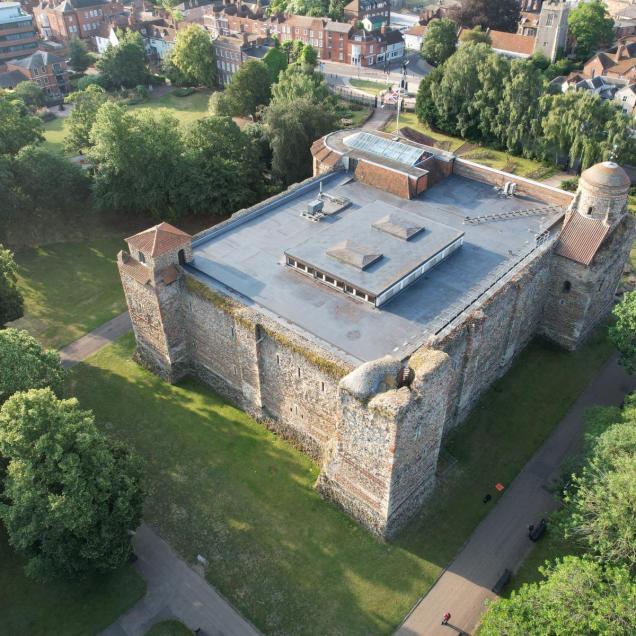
183 91
46 115
157 80
510 165
570 185
88 80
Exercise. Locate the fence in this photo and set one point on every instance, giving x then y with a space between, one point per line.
353 96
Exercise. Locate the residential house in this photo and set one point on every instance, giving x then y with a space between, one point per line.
618 61
395 46
626 98
414 37
337 46
509 44
75 18
18 37
231 51
358 10
306 29
45 69
625 20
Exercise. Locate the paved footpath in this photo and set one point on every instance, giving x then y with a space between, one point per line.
173 589
500 541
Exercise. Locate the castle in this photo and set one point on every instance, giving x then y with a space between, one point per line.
363 312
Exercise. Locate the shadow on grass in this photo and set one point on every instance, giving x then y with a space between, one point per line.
223 486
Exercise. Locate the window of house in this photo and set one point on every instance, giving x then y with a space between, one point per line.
589 210
550 19
567 286
322 386
142 258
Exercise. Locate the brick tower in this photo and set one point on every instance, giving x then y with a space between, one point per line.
152 281
589 256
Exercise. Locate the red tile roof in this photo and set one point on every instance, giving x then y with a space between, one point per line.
139 271
581 238
512 42
159 239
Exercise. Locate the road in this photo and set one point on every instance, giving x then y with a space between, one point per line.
500 541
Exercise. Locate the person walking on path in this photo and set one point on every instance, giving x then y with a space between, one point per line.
446 618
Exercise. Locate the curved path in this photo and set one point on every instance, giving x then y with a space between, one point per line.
500 541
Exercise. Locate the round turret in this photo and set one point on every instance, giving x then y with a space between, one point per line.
602 193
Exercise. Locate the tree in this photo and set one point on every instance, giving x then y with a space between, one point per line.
124 65
276 60
492 74
11 302
476 35
590 26
456 91
71 496
518 112
25 365
623 332
137 156
336 10
18 127
309 56
500 15
440 41
79 58
224 172
577 596
249 89
193 56
425 109
49 182
31 94
292 126
296 82
82 117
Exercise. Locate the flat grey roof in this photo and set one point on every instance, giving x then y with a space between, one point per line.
246 257
399 257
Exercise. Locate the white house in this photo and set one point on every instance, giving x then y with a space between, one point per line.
394 46
105 38
414 36
626 98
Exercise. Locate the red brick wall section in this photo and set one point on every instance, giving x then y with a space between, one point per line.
383 178
524 186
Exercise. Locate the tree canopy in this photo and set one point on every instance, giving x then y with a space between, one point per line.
11 301
71 496
249 89
440 41
86 103
500 15
31 94
276 60
17 127
25 365
79 58
623 332
590 26
193 56
124 65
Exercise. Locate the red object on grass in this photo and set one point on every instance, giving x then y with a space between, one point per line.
499 487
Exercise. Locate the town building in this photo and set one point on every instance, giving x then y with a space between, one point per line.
358 10
48 71
231 51
414 36
363 312
511 45
82 19
626 98
552 29
18 37
618 62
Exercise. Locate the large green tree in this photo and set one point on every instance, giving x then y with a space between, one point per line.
138 160
623 332
11 301
516 121
577 596
25 365
79 57
86 103
440 41
454 94
249 90
124 65
298 81
193 56
31 94
501 15
590 26
224 171
292 126
276 60
18 127
71 496
425 108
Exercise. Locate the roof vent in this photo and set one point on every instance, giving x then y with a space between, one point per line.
314 210
399 226
405 377
354 254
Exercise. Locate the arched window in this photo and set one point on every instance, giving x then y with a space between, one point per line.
567 286
181 256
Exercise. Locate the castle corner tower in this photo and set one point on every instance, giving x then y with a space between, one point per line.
152 280
589 256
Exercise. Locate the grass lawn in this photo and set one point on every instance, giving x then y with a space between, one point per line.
357 114
369 86
69 289
169 628
486 156
80 609
185 109
223 486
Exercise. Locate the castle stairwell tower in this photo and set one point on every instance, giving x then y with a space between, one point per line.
589 255
152 280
